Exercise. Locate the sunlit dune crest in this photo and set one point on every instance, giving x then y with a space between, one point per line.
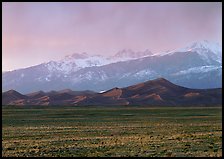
191 94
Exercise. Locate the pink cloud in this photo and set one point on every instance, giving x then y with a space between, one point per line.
50 30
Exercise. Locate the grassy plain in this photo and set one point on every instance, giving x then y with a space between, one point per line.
111 131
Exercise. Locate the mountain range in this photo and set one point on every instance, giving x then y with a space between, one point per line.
158 92
197 66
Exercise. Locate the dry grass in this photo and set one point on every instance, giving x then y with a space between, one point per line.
114 131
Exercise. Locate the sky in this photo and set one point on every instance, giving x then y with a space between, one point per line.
37 32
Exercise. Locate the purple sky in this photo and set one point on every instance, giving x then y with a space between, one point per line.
38 32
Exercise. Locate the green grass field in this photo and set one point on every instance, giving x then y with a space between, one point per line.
111 131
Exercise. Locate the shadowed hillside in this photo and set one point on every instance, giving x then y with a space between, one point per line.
158 92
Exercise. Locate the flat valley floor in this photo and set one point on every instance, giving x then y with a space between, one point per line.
111 131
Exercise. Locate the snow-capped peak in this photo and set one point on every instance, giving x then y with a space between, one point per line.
77 56
126 54
75 62
206 49
204 45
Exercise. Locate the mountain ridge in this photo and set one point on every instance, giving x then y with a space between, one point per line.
185 67
158 92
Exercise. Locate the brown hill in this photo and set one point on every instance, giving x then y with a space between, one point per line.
158 92
38 94
9 96
162 92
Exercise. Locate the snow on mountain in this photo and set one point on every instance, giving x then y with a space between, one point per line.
128 54
143 73
206 49
74 62
196 66
204 45
77 56
77 61
84 60
201 69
